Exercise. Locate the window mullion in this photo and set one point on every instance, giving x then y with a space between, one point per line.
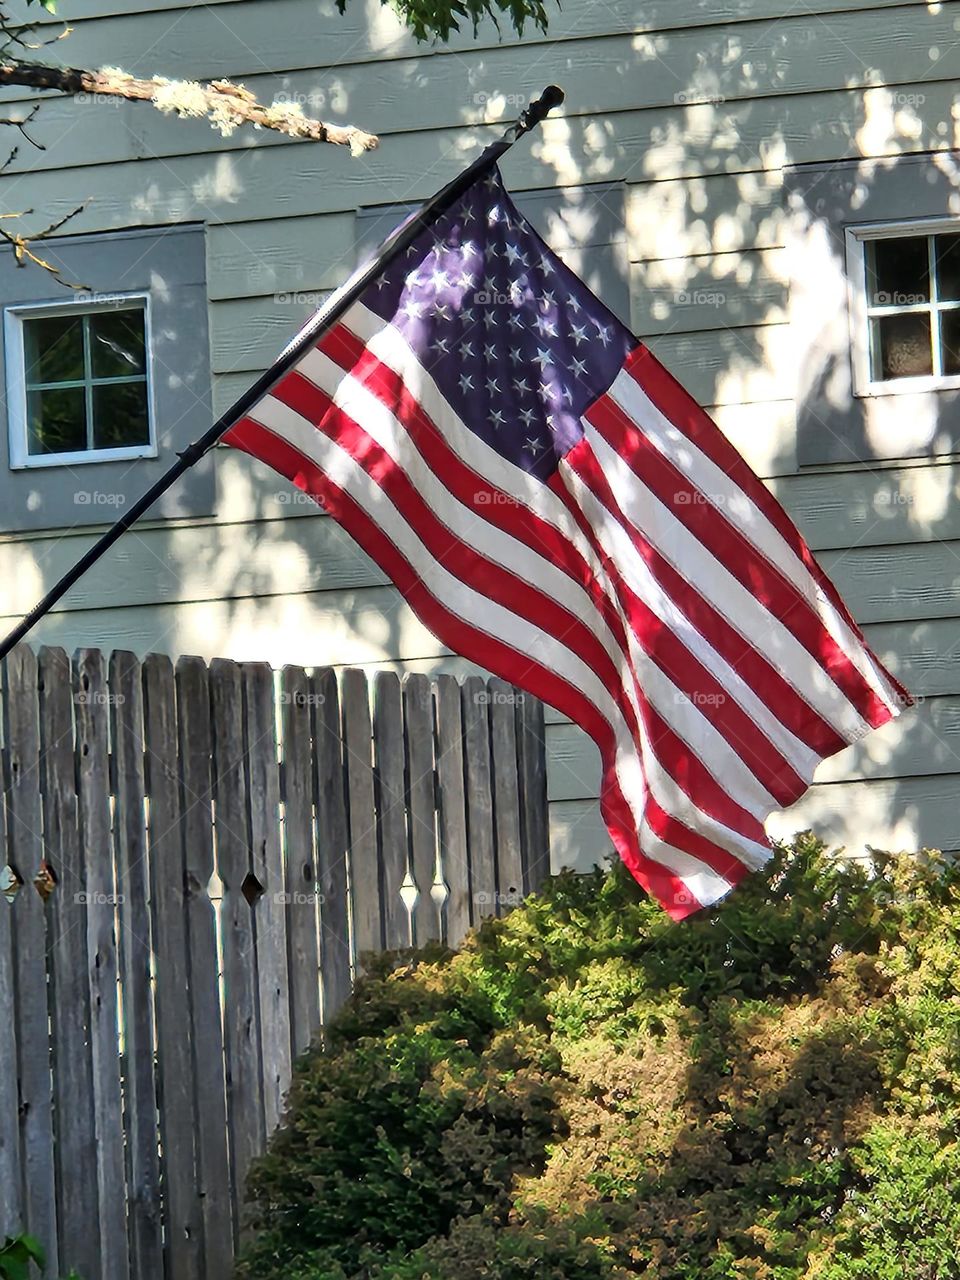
934 308
87 385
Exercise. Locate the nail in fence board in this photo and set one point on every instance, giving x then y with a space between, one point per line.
301 881
421 802
93 795
174 1029
210 1107
242 1035
73 1086
332 842
361 815
451 808
479 798
133 911
391 809
24 854
263 790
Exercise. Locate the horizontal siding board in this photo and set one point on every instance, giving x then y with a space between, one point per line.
265 181
675 295
281 255
874 507
705 214
728 366
925 740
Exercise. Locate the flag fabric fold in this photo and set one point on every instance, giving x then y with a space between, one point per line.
556 508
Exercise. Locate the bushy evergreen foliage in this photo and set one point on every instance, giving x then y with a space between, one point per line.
588 1091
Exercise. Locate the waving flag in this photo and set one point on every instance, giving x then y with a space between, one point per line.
556 508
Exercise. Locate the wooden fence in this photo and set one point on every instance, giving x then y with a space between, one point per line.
195 859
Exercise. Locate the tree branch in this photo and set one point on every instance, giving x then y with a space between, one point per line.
224 104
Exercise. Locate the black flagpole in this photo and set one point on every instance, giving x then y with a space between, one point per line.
316 326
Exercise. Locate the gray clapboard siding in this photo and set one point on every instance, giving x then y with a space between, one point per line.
282 255
263 181
729 366
352 36
614 73
709 213
925 741
874 507
676 295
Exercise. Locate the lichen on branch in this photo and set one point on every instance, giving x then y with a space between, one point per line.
227 106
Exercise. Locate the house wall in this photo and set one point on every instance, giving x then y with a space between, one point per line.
700 110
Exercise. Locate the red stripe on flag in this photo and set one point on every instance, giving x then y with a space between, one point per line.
482 648
782 598
803 721
687 416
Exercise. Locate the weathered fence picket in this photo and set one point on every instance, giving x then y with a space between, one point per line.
194 861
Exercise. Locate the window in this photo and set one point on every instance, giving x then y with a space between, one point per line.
78 386
871 363
906 308
104 387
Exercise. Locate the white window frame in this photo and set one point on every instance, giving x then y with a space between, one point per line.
857 239
13 318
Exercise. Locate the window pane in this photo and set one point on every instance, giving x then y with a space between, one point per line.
116 343
948 267
898 271
120 415
53 349
950 340
56 421
901 346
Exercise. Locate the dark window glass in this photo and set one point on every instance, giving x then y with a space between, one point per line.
898 271
948 267
117 344
950 341
120 415
53 349
902 345
56 420
89 349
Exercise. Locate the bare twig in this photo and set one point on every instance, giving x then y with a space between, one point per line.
23 252
224 104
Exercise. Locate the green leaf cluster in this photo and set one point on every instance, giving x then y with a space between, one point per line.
16 1255
768 1091
439 19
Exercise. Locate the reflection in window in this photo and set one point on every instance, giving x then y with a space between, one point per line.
85 379
913 306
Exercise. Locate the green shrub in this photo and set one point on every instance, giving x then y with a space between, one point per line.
588 1091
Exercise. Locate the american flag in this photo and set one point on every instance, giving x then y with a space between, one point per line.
556 508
